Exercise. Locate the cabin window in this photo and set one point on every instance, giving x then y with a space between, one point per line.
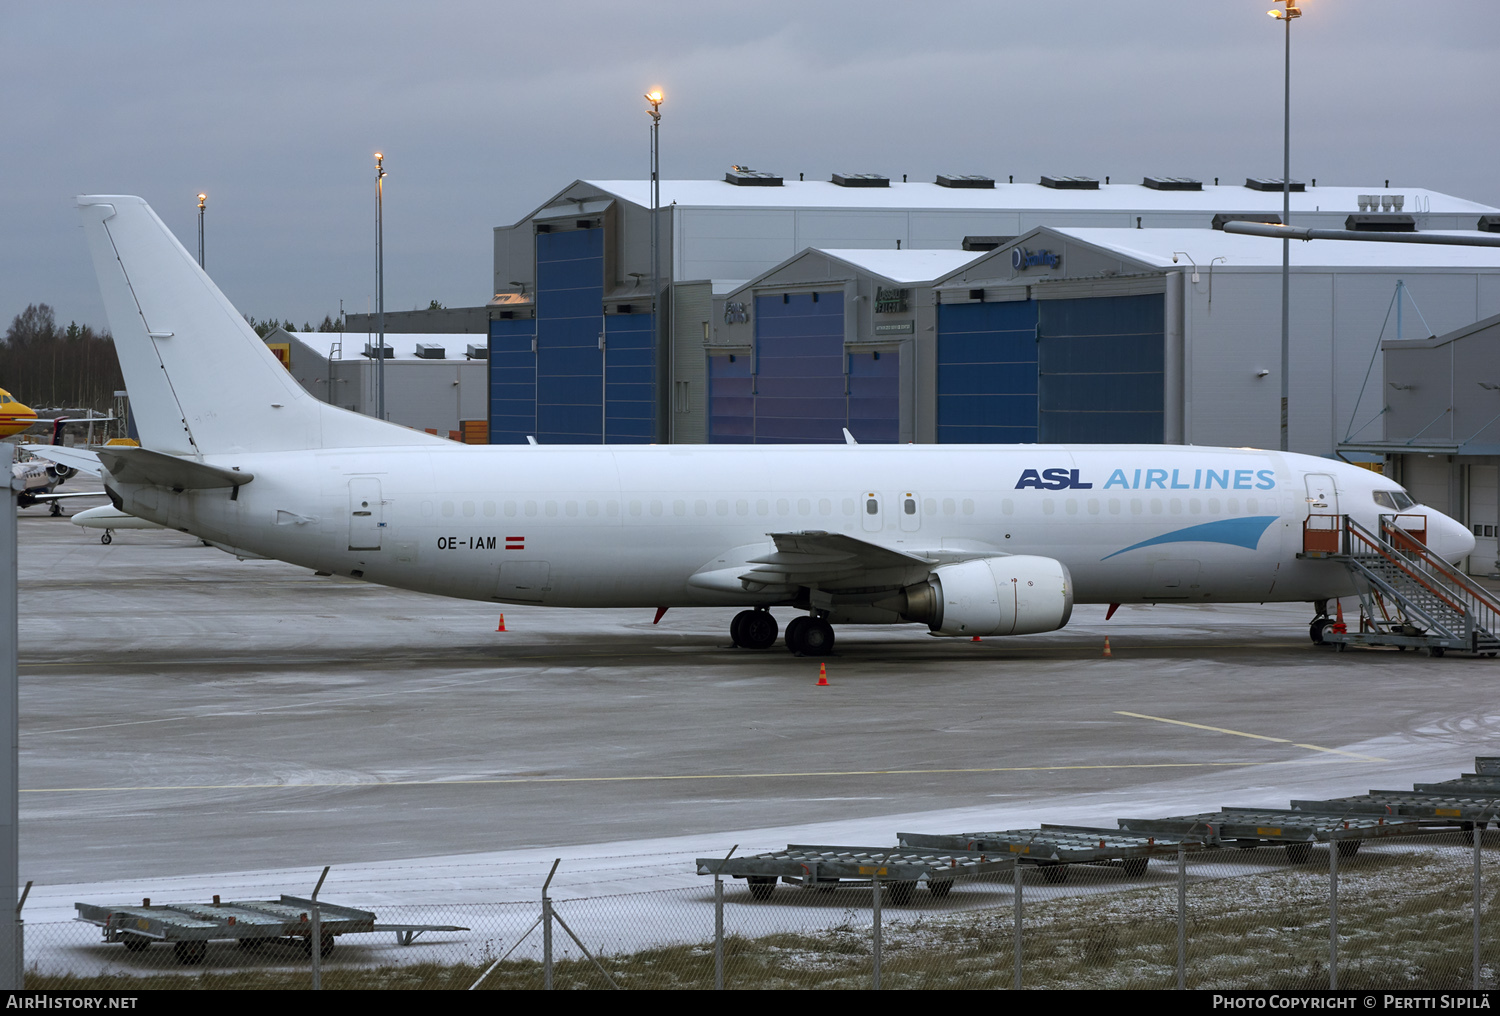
722 506
700 507
510 509
592 508
447 509
571 509
968 506
489 509
742 507
825 506
909 506
804 506
530 509
656 508
468 509
872 506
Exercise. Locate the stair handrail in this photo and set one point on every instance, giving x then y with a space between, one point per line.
1482 596
1391 554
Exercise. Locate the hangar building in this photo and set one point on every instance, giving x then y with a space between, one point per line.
1437 423
1083 335
579 356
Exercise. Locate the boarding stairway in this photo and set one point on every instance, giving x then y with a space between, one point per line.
1409 597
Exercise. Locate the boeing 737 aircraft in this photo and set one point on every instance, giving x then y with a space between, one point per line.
967 540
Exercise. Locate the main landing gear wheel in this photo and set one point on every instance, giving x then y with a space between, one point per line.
809 636
1317 628
754 629
56 510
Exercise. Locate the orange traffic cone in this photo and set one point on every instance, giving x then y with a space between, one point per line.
502 623
1107 651
1339 625
822 675
974 639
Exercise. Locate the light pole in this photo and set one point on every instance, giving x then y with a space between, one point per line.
654 97
1286 16
202 198
380 282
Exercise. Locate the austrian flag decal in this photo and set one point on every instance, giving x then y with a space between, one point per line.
515 543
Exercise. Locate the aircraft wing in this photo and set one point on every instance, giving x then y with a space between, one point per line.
833 560
81 459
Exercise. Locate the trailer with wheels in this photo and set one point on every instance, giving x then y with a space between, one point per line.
1053 848
829 867
252 924
1428 809
1297 831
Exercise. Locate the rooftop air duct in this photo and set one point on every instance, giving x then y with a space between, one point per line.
861 180
966 182
1266 183
1070 182
744 176
1174 183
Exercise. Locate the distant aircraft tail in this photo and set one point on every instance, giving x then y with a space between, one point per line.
201 381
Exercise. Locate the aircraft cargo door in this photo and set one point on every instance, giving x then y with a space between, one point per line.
365 518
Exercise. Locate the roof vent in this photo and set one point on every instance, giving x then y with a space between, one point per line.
478 351
985 242
1381 223
1070 182
744 176
861 180
1382 202
1489 224
1184 183
966 182
373 351
1224 217
431 351
1267 183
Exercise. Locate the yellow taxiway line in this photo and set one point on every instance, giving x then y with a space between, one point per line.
1258 737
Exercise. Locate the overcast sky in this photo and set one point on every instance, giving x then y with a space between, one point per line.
485 109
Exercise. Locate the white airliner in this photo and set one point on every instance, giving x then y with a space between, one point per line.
967 540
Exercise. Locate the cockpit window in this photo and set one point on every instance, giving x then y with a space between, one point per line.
1396 500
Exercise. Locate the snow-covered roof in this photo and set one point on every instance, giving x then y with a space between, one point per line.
455 345
1156 246
1023 196
906 266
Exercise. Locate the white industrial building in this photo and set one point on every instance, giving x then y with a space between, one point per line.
433 383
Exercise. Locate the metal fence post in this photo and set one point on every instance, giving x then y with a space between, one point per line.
1478 904
20 938
1182 917
1333 915
719 920
1016 982
315 939
547 929
875 941
718 933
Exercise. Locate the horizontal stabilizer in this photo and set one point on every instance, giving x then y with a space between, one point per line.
80 459
141 465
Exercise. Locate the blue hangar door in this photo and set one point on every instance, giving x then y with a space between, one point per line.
569 320
987 382
512 369
801 395
1100 369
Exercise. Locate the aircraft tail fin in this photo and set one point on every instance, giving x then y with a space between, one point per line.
200 380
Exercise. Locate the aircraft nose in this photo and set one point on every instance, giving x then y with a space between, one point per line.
1448 538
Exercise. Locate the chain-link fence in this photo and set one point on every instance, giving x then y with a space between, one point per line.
1413 913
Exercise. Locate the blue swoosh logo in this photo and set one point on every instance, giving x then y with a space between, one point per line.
1244 532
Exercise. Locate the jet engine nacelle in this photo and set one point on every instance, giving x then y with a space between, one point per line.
1019 595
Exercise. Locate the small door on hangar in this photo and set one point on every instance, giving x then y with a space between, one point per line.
365 517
